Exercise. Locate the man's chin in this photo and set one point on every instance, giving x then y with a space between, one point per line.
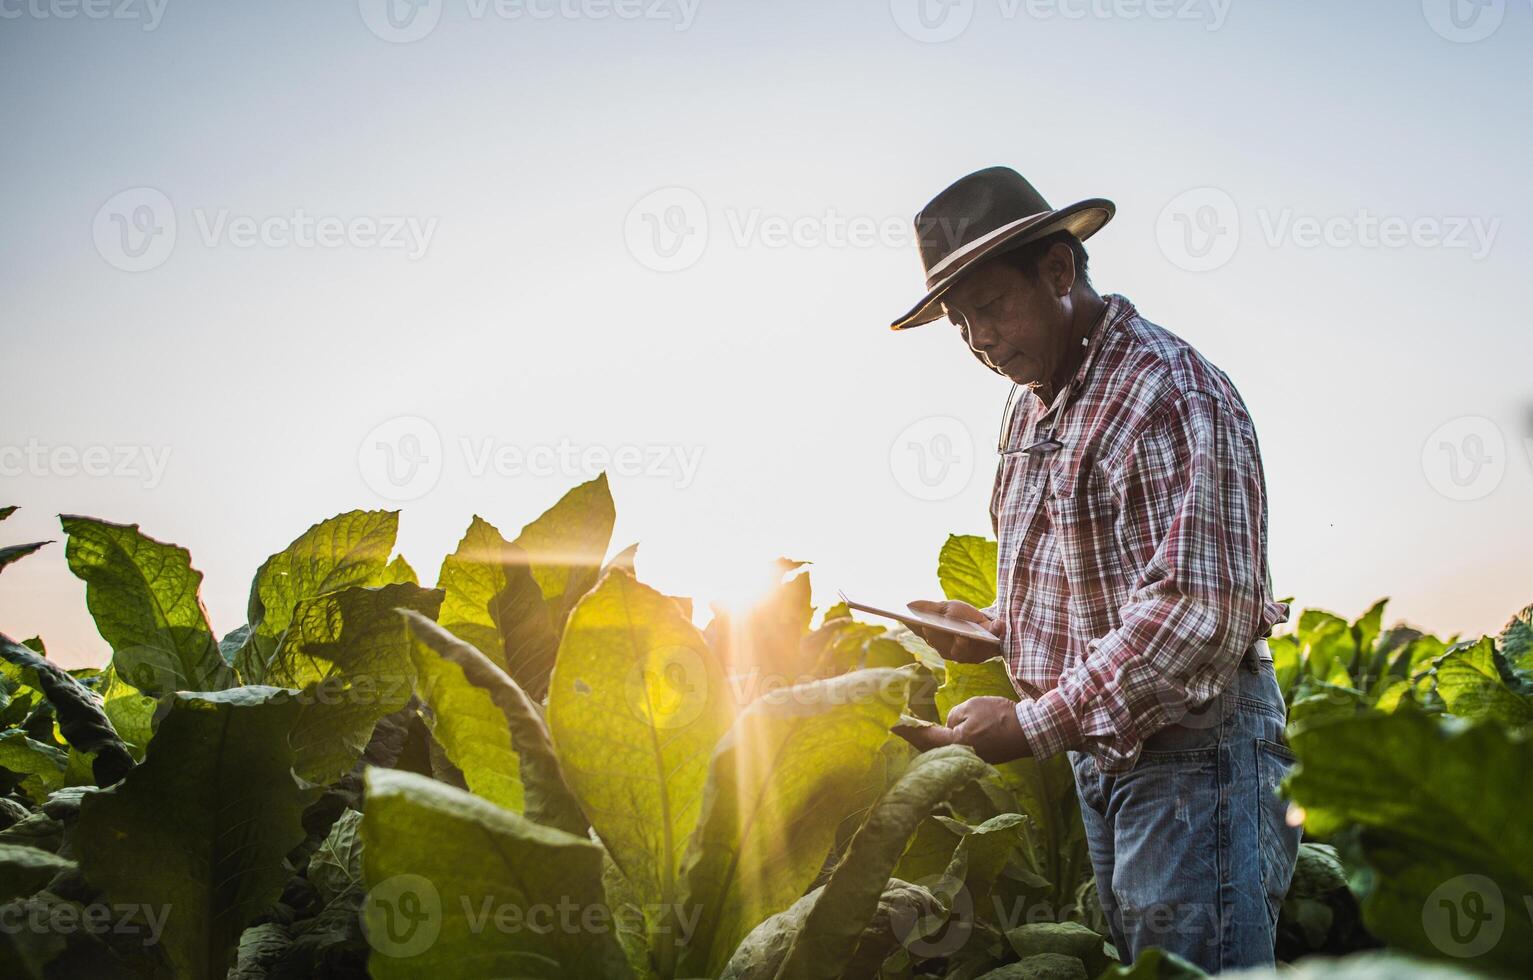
1018 370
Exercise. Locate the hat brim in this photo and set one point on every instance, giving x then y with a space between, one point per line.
1082 220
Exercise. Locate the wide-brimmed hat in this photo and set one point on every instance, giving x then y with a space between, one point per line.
981 216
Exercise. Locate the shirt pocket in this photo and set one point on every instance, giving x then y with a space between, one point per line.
1083 515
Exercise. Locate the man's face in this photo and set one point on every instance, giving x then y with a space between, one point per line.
1015 323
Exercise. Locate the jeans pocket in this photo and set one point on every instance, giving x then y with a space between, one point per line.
1279 841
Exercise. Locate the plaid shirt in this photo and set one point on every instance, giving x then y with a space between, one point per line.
1133 557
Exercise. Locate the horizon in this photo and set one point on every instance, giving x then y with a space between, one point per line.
458 261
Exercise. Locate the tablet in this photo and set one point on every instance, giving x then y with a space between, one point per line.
947 624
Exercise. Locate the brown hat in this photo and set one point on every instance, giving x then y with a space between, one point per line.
981 216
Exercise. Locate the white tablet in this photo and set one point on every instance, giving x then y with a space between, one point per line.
947 624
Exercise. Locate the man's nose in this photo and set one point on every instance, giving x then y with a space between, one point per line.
981 337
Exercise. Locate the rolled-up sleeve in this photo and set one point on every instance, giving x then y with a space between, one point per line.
1190 514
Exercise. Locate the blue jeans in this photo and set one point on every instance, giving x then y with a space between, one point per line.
1191 849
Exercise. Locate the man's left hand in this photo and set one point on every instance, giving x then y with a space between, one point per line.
988 725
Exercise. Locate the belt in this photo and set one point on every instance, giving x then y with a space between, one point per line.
1256 654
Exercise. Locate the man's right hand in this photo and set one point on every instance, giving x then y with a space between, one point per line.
953 647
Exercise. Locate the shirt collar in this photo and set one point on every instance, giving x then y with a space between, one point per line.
1118 310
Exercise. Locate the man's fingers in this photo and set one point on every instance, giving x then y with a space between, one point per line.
931 737
962 610
952 608
960 713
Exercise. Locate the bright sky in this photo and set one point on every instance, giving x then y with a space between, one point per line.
670 235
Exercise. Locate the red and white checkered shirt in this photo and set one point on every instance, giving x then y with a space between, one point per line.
1133 557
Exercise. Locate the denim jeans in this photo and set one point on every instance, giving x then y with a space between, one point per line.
1191 849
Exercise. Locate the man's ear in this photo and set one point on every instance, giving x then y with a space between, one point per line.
1057 267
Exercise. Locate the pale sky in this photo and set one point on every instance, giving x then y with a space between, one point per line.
670 235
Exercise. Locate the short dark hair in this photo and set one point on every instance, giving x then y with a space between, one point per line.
1025 258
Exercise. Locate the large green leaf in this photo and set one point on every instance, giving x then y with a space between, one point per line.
636 706
1157 964
1471 686
1443 810
335 868
131 713
23 870
494 602
16 552
470 727
347 550
547 797
7 512
770 643
200 830
1517 647
41 767
565 546
350 654
966 569
900 907
460 887
833 928
1044 789
142 594
780 782
1327 645
81 718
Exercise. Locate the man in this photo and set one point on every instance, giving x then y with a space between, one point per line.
1133 594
